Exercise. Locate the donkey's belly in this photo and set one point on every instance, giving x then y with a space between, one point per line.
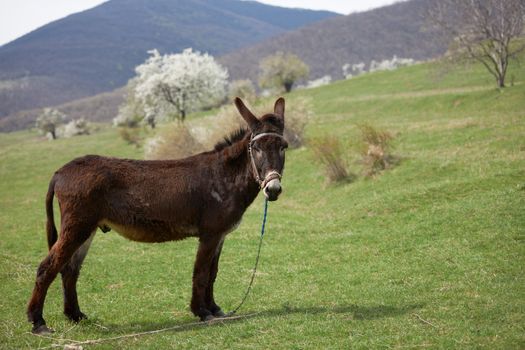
151 233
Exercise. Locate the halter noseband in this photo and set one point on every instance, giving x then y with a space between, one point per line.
272 175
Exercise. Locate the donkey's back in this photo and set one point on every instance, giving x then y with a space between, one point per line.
146 201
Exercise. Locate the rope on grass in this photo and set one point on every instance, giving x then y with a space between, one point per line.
77 344
265 214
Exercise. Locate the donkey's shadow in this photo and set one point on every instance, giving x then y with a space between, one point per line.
353 312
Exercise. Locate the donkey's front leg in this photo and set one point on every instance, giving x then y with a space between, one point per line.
201 276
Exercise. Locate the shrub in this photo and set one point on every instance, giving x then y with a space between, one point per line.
174 142
181 140
376 146
328 151
392 64
281 71
298 113
297 116
324 80
75 127
242 88
130 135
226 121
131 111
351 70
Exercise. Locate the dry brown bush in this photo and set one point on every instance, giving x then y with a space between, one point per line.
228 120
173 142
181 140
130 135
242 88
328 151
298 114
375 150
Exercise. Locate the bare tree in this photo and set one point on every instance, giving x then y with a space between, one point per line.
484 30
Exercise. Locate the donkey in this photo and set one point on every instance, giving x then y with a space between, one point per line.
203 196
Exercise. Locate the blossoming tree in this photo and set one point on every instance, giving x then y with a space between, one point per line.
48 121
281 71
170 86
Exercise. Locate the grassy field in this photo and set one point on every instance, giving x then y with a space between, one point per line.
430 254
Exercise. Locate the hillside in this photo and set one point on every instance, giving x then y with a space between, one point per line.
326 46
429 254
97 108
379 34
96 50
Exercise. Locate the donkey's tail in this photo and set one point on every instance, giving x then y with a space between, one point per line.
51 229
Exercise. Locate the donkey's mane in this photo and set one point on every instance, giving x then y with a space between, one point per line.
229 140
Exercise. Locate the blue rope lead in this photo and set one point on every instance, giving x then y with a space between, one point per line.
231 313
264 216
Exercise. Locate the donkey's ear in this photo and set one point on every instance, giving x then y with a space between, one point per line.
278 109
252 120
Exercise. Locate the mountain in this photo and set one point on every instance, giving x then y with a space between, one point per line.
325 45
96 50
379 34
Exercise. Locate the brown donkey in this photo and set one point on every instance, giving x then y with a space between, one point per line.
201 196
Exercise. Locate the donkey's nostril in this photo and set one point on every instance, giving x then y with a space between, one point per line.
273 189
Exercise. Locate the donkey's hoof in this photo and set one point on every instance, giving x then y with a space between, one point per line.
208 318
76 317
42 330
219 313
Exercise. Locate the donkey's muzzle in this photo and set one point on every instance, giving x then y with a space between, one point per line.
273 189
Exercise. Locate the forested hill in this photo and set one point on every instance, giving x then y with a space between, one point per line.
399 29
96 50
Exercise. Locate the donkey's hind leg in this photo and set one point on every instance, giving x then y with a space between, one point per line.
70 273
210 300
70 240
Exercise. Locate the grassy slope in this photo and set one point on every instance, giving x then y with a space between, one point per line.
429 254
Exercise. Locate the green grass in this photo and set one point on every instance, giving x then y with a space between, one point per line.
430 254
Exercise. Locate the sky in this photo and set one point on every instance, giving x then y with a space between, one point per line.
19 17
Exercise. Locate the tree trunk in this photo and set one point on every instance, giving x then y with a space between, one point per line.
503 72
501 81
288 86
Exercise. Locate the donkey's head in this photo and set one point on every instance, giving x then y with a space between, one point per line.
266 147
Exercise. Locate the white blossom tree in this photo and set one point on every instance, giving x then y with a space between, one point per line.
392 64
170 86
75 127
131 112
351 70
48 121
